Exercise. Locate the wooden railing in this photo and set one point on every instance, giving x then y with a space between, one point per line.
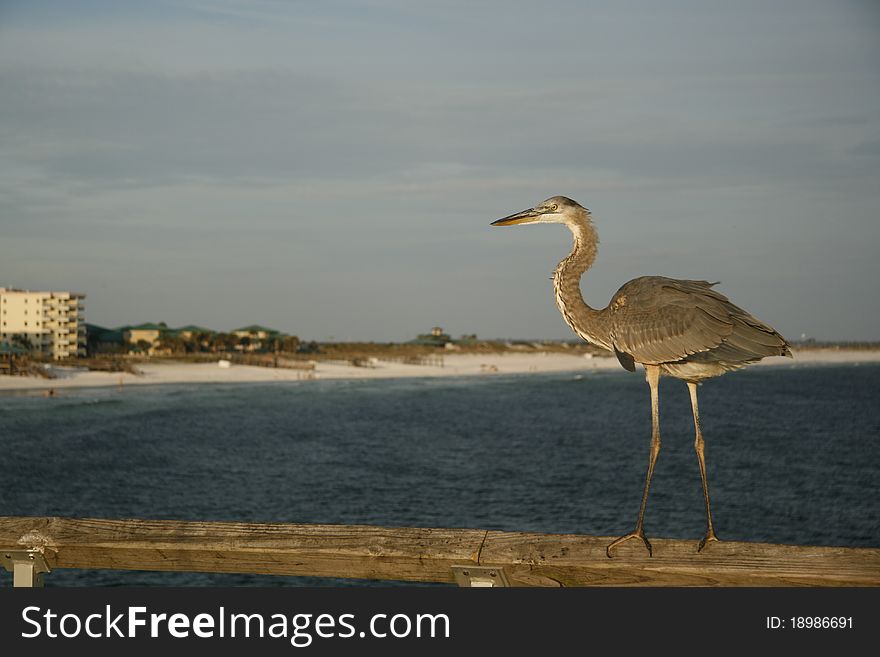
420 554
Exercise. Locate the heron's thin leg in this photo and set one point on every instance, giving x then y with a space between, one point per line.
699 447
652 374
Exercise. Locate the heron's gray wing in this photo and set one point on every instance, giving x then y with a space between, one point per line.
660 320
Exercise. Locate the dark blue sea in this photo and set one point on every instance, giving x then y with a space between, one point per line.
793 457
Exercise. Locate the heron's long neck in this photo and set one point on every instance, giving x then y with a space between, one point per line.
587 322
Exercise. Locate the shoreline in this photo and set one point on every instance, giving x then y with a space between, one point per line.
453 365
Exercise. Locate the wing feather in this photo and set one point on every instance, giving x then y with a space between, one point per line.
658 320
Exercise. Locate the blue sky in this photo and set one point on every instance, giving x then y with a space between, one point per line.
330 168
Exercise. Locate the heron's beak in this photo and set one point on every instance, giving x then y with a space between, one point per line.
529 216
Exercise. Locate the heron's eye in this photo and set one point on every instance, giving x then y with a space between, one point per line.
553 207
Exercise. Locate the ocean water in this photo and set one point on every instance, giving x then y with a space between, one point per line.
793 457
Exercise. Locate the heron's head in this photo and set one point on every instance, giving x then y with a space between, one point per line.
555 210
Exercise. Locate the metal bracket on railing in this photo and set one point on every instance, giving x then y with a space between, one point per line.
27 566
480 576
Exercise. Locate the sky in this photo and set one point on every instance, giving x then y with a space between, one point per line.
330 169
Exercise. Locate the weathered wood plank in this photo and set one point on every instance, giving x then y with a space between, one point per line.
571 560
427 555
415 554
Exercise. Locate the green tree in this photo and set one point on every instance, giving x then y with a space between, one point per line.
202 340
172 343
23 341
223 342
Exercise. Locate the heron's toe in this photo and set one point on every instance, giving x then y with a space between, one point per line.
636 534
708 538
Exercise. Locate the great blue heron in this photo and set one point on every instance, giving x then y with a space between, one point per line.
681 328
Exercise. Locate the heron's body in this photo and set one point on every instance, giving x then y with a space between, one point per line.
681 328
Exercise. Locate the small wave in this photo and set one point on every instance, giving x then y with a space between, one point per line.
71 401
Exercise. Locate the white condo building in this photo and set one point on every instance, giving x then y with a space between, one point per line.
52 323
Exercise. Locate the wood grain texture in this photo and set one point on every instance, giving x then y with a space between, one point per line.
427 555
414 554
572 560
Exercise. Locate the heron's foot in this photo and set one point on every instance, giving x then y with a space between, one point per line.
708 538
638 533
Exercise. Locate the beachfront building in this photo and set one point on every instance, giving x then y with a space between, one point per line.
436 338
143 337
254 337
102 340
191 331
49 324
191 338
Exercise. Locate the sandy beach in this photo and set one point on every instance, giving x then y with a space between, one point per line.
453 365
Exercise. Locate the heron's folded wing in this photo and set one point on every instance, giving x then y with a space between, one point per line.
660 320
